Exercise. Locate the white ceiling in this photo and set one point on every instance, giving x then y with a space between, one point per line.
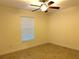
25 4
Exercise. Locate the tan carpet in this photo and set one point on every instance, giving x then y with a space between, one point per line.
46 51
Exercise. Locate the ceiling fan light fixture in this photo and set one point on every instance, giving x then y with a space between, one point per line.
44 7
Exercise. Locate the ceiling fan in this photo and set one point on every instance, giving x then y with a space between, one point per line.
45 5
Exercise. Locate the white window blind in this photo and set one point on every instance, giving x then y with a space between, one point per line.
27 28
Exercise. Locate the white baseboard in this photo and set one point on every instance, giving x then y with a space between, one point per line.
37 44
63 46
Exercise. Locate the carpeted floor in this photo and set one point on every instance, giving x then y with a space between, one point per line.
46 51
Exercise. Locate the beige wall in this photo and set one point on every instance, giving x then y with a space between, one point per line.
10 40
64 27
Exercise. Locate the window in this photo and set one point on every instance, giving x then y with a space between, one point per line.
27 28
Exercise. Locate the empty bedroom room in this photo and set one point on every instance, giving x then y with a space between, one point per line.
39 29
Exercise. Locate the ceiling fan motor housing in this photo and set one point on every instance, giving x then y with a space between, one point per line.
43 0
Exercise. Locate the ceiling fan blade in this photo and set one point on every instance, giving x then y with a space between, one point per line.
54 7
35 10
46 11
51 2
35 5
